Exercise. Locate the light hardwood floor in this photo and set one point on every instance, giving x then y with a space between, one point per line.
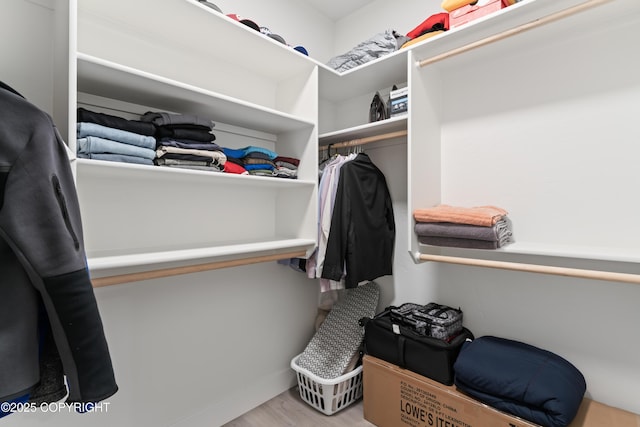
288 409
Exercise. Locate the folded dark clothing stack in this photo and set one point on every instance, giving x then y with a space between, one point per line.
185 141
135 126
520 379
112 138
482 227
286 167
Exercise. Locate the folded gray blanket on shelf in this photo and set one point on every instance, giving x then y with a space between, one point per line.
379 45
500 232
458 243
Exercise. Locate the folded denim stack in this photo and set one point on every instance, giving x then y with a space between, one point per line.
112 138
185 141
286 167
481 227
255 160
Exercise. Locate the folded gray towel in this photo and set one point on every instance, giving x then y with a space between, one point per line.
500 232
457 243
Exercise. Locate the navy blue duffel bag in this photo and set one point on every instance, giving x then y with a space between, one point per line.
520 379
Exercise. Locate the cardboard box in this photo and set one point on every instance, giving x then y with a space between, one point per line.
395 397
398 101
476 10
399 93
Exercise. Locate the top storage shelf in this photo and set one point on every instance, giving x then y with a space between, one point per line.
111 80
392 68
209 33
210 51
507 22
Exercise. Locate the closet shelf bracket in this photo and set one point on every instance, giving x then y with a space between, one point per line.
535 268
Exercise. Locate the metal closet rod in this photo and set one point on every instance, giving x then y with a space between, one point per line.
513 31
535 268
366 140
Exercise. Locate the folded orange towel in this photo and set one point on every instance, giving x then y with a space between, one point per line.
479 215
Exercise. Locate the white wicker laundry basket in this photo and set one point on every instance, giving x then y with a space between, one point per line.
328 396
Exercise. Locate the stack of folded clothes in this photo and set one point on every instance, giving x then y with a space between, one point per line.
235 165
112 138
255 160
185 141
481 227
432 26
286 167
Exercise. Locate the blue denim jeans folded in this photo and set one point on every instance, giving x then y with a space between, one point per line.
122 158
96 145
93 129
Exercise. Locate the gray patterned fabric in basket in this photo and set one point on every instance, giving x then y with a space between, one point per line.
338 339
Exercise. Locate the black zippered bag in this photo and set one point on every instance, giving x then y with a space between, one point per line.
434 320
399 344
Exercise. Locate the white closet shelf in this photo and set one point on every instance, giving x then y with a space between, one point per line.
104 78
100 169
501 22
106 260
208 32
487 56
107 269
392 68
393 124
380 73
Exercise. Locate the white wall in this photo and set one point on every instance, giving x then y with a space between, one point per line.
27 66
197 350
591 323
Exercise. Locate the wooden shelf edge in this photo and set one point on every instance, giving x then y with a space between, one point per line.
195 268
535 268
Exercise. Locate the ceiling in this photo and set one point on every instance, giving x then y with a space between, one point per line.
336 9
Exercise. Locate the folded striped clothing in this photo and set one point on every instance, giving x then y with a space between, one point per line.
164 161
282 172
188 143
289 162
249 161
218 157
243 152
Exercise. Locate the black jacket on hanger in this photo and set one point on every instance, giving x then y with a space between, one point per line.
362 234
49 320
